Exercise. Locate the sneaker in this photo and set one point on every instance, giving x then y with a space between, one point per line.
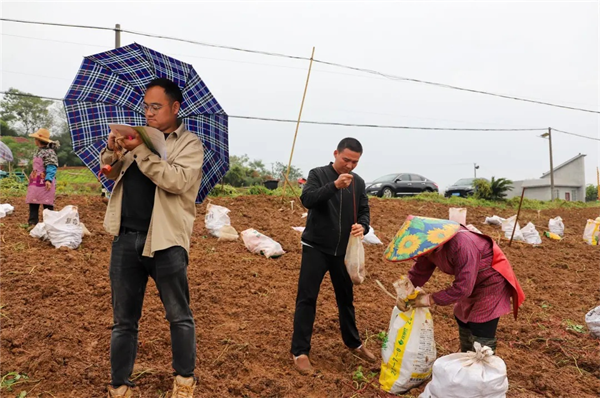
363 353
183 387
122 392
302 364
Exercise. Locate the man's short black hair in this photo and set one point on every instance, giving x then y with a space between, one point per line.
351 144
172 90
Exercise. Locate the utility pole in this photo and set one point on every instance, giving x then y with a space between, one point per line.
475 167
117 35
549 135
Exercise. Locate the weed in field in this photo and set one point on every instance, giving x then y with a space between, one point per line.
383 337
11 379
574 327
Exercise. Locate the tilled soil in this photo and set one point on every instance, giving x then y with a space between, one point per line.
56 309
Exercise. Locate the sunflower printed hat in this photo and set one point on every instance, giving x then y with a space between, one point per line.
418 236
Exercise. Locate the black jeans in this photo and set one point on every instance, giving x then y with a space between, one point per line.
129 273
34 212
484 329
312 270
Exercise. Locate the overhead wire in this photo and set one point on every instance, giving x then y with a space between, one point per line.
334 64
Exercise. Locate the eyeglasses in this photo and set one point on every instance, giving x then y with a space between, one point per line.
152 108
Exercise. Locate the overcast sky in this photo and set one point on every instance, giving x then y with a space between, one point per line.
540 50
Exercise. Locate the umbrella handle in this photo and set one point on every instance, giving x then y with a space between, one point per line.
108 167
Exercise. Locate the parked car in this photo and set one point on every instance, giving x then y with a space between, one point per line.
400 184
464 187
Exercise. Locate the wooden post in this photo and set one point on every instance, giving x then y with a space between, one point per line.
598 182
287 174
517 219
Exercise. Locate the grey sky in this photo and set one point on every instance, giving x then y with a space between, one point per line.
540 50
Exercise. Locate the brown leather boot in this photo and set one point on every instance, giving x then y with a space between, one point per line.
302 364
183 387
121 392
363 353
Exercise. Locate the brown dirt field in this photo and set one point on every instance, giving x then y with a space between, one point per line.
56 311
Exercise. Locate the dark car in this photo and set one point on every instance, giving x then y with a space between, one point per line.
464 187
400 184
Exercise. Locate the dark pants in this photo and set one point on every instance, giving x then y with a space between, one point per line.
315 265
34 212
129 273
485 329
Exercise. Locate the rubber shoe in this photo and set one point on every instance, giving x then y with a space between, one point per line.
122 392
183 387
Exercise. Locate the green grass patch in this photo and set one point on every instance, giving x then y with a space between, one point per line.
529 204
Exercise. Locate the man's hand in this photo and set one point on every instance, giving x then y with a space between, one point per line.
343 181
357 230
111 140
48 185
130 142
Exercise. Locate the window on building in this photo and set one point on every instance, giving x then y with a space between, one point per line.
556 194
568 196
574 195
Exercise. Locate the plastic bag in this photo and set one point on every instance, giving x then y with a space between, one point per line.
355 260
39 231
531 235
261 244
508 226
592 319
63 227
227 233
5 210
459 215
299 229
370 238
591 234
478 374
556 226
552 236
409 353
216 220
494 220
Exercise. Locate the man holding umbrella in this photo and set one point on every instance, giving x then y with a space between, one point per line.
151 214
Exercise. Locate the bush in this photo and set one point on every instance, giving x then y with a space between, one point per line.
483 189
259 190
223 190
11 186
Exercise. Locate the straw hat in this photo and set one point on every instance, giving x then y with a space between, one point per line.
418 236
42 135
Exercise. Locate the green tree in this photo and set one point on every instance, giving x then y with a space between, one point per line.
244 173
20 150
6 130
279 169
500 188
25 113
66 156
591 193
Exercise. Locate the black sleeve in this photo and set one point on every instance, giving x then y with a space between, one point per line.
364 213
313 193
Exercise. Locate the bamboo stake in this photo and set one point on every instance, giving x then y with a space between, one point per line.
517 219
298 123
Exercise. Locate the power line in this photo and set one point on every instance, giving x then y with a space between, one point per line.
379 126
443 85
576 135
274 54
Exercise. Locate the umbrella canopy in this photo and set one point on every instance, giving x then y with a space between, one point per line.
109 89
5 152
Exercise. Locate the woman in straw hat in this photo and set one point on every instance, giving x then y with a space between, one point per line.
42 187
484 281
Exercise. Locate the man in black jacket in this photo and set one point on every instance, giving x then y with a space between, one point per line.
337 208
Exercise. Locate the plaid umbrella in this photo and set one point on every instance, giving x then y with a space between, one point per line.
5 152
110 87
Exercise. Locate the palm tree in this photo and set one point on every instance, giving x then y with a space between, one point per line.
500 187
